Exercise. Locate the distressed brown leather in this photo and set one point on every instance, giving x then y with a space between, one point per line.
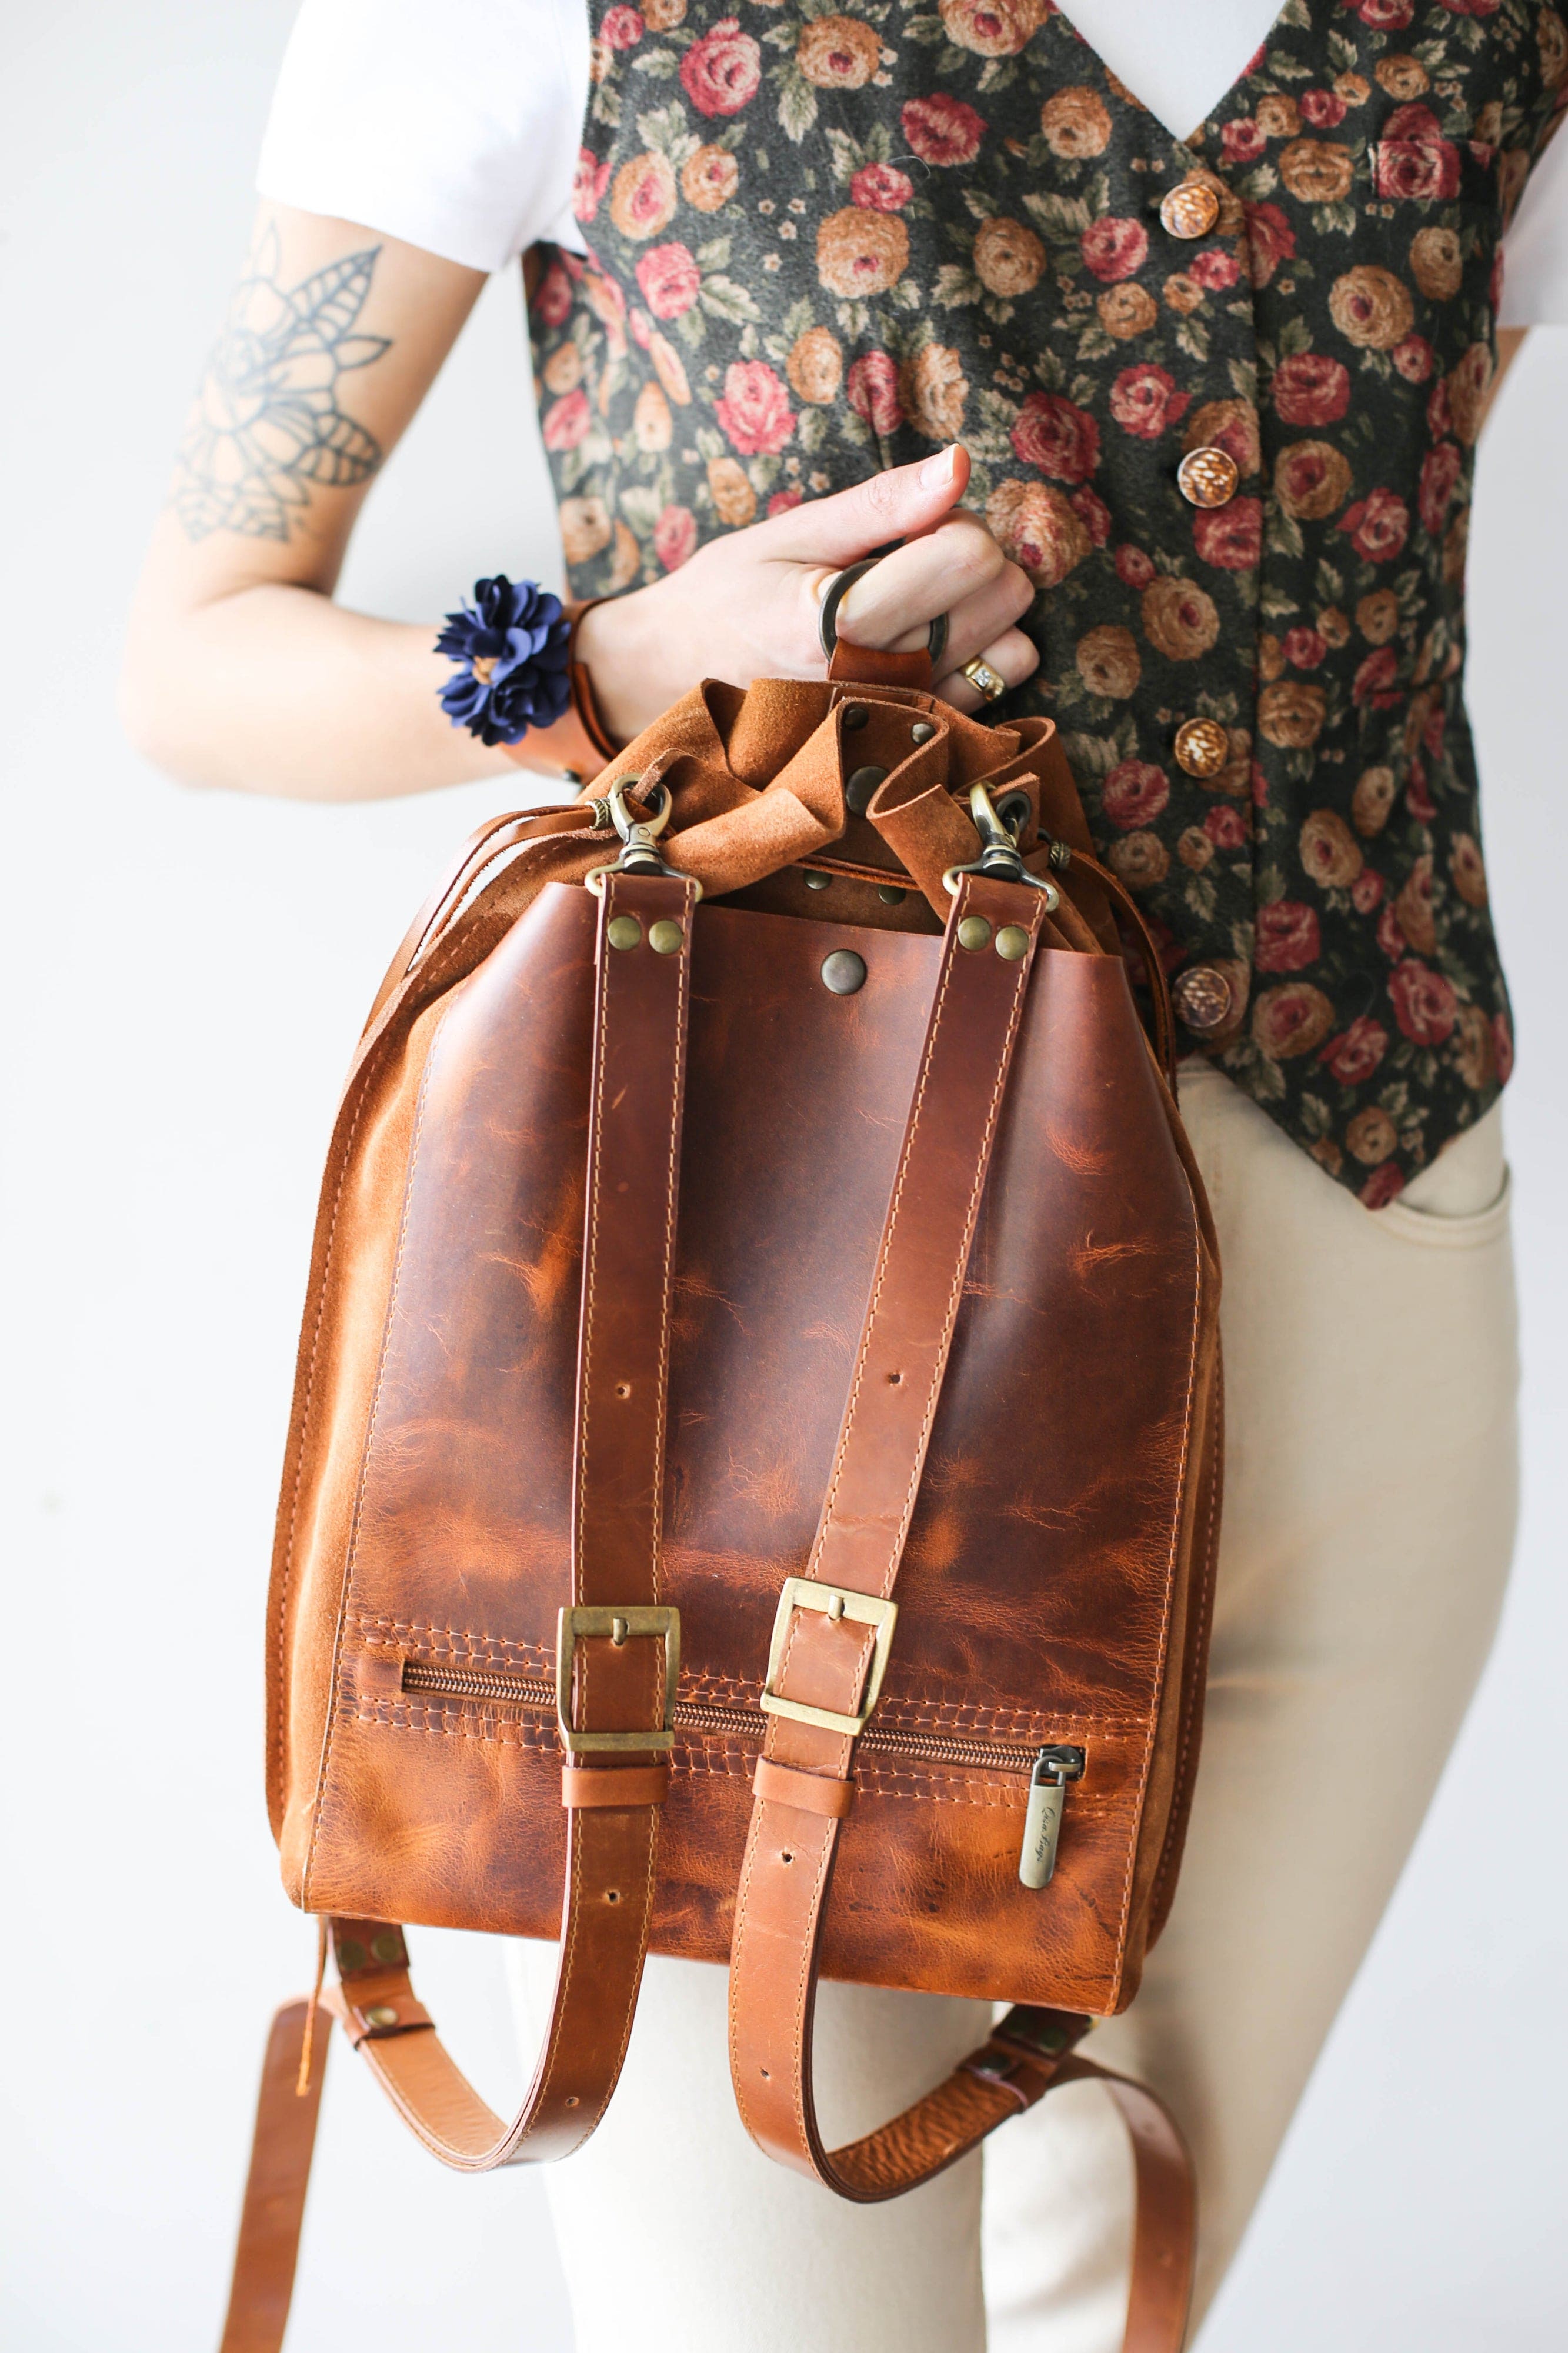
970 1167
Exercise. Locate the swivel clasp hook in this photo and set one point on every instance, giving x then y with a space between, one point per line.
999 854
639 834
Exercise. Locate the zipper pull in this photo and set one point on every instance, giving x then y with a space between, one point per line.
1053 1768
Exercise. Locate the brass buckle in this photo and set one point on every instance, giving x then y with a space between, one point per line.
632 1622
834 1602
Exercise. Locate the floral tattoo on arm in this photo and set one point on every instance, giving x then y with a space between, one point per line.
268 424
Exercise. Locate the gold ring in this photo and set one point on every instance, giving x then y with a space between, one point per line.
983 678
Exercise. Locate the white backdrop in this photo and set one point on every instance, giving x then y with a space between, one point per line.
190 974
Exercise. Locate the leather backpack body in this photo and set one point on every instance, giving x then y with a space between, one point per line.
753 1481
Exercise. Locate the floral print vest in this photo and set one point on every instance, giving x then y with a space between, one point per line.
1222 399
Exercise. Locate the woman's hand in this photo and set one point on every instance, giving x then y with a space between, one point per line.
747 605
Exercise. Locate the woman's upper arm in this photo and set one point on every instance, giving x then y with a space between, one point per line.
332 337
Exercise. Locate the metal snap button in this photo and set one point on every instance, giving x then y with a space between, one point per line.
1011 942
854 715
1189 210
384 2014
1202 747
622 931
1204 998
862 784
666 936
921 731
974 932
1207 477
844 972
816 881
890 894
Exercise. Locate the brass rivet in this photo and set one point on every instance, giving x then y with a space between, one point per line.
856 715
857 792
1012 941
844 972
890 894
388 1947
814 882
836 1606
622 931
384 2014
351 1954
921 731
620 1630
973 932
666 936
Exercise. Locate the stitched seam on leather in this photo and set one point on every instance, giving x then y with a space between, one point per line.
1141 1790
667 1280
742 1916
353 1550
897 1711
983 1162
1205 1600
934 1393
799 2089
361 1082
285 1576
558 2007
590 1254
644 1932
874 1780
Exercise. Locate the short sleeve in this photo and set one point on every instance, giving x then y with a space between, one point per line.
454 127
1535 249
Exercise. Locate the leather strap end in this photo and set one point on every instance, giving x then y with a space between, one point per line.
377 2021
854 665
622 1786
812 1793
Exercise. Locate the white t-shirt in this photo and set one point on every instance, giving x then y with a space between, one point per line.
456 127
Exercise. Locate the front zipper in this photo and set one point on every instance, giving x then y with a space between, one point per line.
1047 1770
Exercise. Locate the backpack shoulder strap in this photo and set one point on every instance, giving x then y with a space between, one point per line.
616 1721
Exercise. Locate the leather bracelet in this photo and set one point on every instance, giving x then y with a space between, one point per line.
579 743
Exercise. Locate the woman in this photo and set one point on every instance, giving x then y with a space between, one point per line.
1179 432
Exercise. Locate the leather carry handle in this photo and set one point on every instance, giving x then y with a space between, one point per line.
825 1664
620 1654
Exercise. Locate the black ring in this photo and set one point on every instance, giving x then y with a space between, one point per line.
838 588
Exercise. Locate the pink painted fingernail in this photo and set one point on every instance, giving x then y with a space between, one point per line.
938 471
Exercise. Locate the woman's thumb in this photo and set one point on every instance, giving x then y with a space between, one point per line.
900 503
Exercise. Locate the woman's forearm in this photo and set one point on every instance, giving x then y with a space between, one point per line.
271 688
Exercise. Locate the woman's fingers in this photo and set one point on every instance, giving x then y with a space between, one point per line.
896 504
1011 656
902 595
976 621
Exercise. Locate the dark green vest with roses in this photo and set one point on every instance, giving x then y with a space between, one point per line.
1222 400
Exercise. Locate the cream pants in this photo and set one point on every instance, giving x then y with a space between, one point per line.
1369 1516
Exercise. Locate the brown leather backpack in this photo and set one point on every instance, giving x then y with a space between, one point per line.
754 1469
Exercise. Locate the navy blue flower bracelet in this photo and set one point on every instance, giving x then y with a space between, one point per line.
512 648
